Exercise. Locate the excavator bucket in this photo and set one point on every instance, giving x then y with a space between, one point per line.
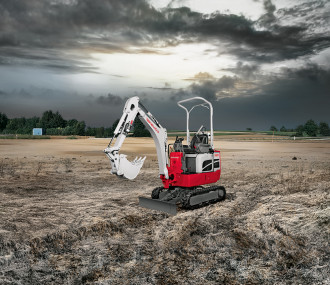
129 169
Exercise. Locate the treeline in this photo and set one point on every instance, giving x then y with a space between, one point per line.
53 124
310 129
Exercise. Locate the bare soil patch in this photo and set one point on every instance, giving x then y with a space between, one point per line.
65 220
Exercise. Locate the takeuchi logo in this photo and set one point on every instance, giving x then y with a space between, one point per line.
152 125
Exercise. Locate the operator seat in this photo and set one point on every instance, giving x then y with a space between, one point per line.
200 143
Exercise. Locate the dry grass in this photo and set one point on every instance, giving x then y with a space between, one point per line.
67 162
65 220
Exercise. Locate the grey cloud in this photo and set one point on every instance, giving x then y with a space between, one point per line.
62 61
245 71
28 27
115 26
110 99
94 109
269 17
311 72
305 9
292 99
289 99
211 89
118 76
60 24
201 76
161 88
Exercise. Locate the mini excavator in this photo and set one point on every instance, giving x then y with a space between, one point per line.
183 169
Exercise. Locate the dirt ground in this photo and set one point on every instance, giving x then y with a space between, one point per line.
65 220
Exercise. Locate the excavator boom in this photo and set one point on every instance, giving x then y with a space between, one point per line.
120 165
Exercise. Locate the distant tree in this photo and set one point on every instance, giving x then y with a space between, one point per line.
79 128
54 131
273 129
30 123
300 131
58 121
283 129
324 129
90 131
33 122
52 120
16 126
108 132
72 122
99 133
249 129
68 131
139 129
311 128
3 121
46 119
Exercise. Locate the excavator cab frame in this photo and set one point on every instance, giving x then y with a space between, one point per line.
208 106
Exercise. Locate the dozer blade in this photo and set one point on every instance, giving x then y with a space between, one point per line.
154 204
129 169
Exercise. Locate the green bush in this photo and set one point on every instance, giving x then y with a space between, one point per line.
311 128
324 129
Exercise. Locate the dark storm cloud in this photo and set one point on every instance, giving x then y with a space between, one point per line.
211 90
52 28
269 17
245 71
28 27
96 110
52 59
289 99
292 99
73 23
110 99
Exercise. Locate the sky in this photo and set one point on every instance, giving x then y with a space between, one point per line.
260 62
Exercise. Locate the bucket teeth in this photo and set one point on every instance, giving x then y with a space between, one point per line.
121 166
138 160
129 169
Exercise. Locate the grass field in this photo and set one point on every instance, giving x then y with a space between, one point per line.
25 137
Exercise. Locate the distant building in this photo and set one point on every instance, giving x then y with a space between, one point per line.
37 132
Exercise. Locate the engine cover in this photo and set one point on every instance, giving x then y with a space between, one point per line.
207 169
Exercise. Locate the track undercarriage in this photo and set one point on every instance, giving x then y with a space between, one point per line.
174 199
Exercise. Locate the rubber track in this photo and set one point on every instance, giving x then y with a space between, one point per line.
186 199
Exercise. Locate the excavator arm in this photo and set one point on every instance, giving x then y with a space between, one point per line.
119 162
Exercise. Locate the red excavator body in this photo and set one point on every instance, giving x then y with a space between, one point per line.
177 177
